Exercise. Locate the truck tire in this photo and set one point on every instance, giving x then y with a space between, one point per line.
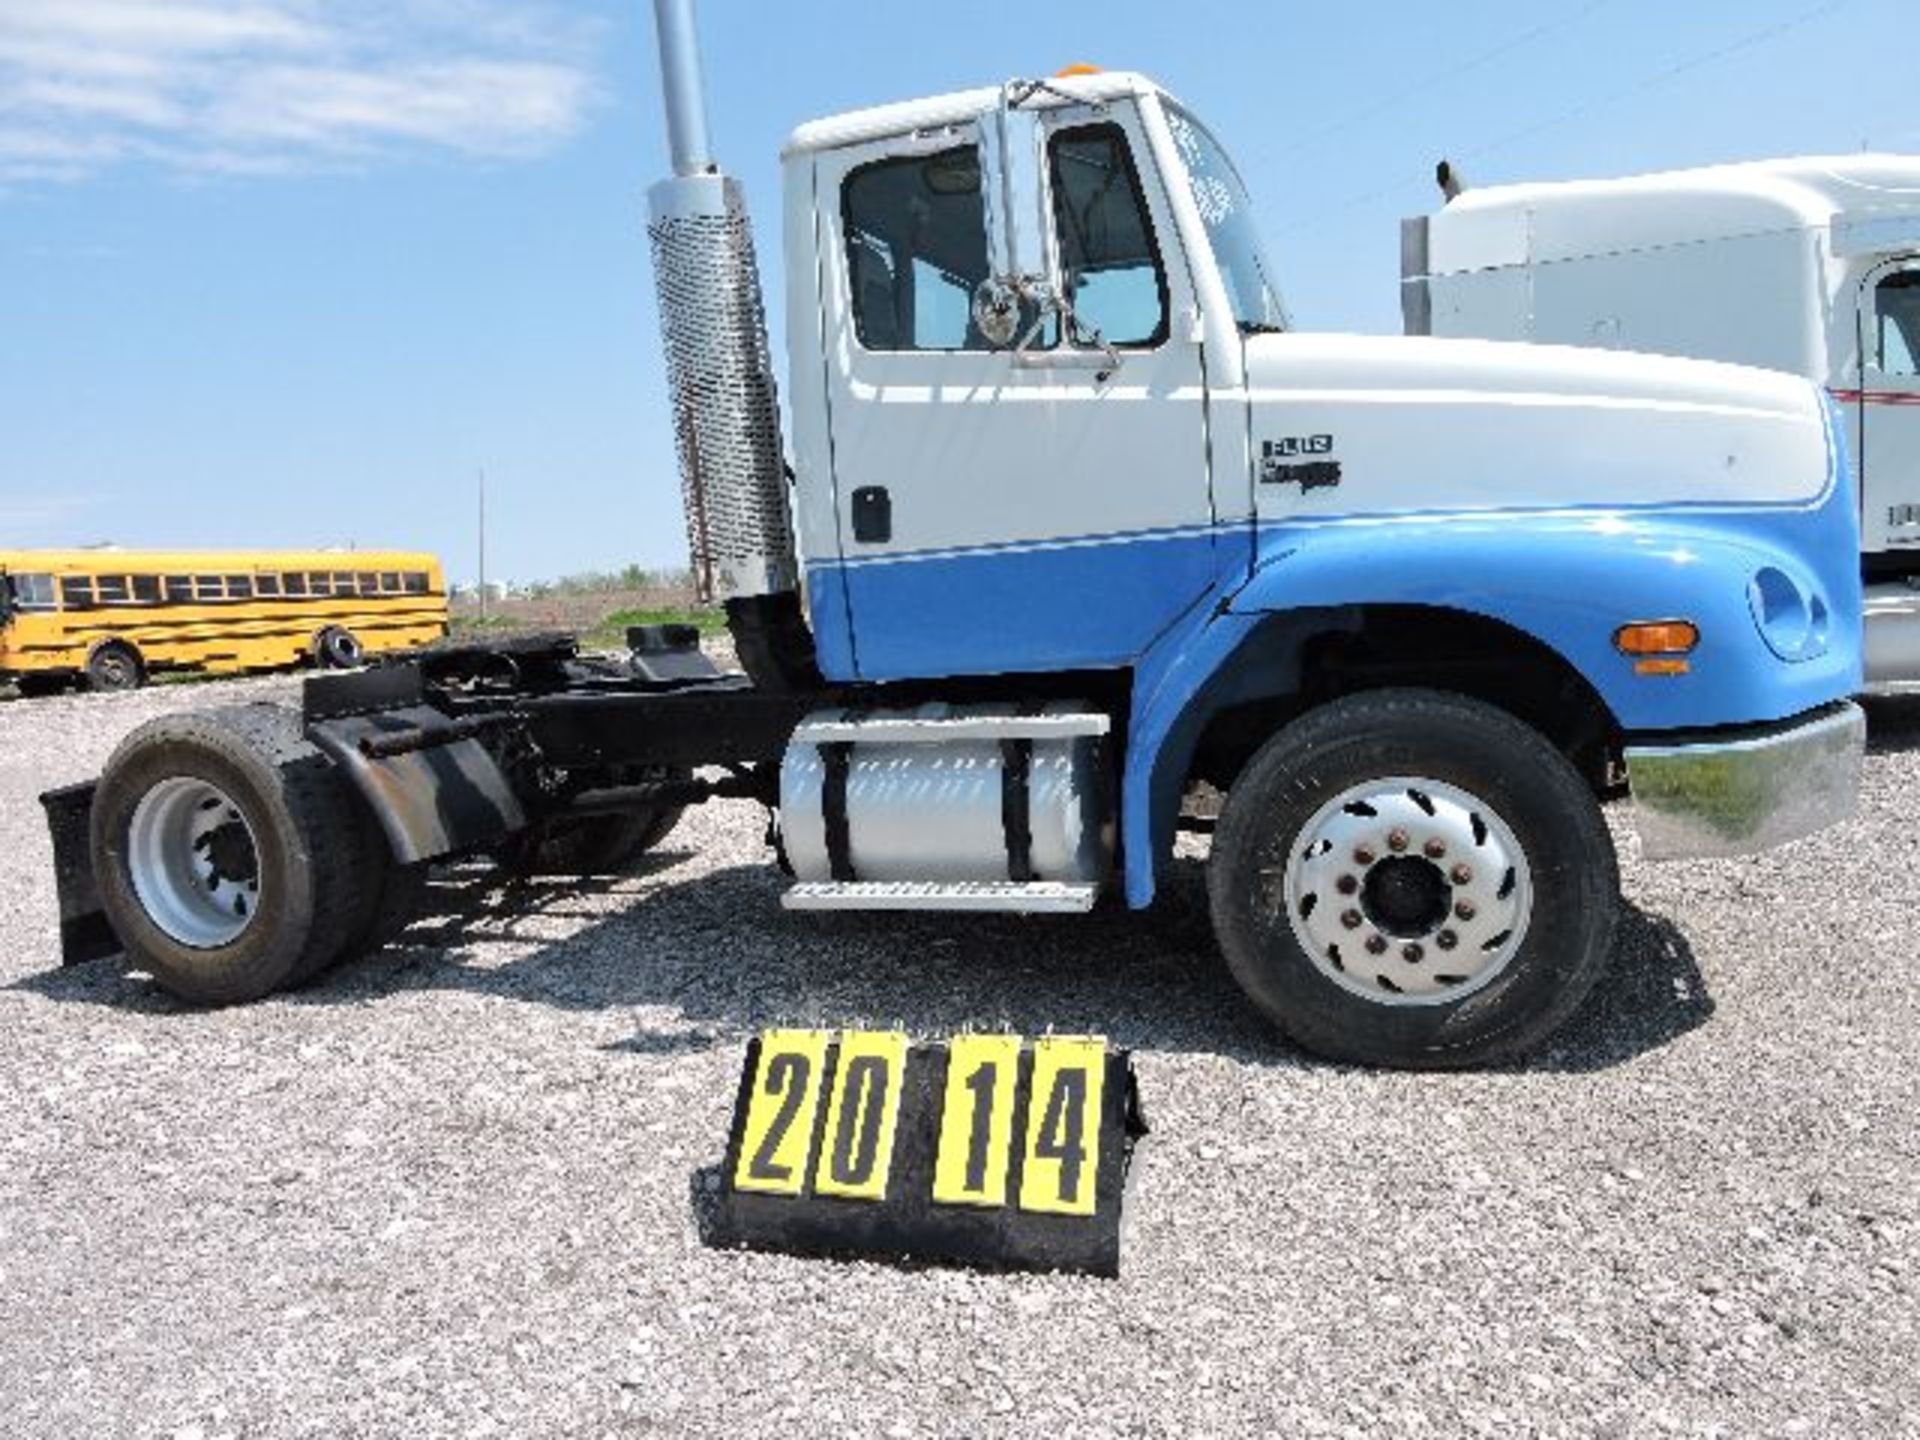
115 665
337 648
1414 879
232 858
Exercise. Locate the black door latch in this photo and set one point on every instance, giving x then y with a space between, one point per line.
872 515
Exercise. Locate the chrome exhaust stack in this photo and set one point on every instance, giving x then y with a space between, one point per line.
726 412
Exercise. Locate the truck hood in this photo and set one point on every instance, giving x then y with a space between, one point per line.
1348 426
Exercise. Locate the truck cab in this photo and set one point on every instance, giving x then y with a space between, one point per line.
1074 527
1809 265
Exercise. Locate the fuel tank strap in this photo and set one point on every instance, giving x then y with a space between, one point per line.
836 759
1016 806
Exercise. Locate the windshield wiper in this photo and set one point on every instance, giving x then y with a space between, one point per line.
1259 327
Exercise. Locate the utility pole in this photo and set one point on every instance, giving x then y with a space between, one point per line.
483 544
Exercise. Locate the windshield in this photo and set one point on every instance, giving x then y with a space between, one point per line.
1228 214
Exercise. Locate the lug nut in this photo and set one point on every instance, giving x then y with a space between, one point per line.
1436 847
1350 919
1363 856
1412 954
1446 939
1465 910
1376 944
1396 840
1346 884
1462 874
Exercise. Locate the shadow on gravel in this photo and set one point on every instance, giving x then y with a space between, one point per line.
1893 724
721 953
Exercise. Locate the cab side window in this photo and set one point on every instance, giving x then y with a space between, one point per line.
916 235
1897 325
1108 257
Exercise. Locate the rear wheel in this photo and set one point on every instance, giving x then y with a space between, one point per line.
230 855
115 666
337 648
1412 878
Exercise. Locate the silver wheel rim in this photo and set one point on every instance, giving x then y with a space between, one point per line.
1408 891
194 862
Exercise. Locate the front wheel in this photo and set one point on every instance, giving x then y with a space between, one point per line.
1411 878
337 648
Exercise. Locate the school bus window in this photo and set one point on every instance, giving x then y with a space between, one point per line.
369 583
293 583
342 583
267 587
179 589
32 592
416 582
389 582
239 587
146 589
76 592
110 589
208 587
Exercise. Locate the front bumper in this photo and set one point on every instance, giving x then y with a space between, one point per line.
1737 792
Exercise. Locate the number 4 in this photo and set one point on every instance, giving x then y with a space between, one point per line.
1061 1167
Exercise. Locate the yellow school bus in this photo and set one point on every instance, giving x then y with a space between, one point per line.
110 618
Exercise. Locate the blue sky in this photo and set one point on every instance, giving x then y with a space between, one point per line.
287 272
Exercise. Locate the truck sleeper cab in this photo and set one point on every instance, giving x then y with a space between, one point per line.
1809 265
1082 524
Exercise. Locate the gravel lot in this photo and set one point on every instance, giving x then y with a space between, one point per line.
448 1190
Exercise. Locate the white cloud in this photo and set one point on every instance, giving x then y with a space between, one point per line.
265 86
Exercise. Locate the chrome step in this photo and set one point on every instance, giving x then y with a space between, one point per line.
931 725
1036 897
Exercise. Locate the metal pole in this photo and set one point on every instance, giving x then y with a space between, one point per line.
483 544
681 88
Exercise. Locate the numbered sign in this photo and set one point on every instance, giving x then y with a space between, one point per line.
778 1136
1063 1127
987 1150
976 1121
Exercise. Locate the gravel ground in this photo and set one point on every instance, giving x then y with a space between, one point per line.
448 1190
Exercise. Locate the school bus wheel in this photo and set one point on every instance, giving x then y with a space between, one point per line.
336 648
115 665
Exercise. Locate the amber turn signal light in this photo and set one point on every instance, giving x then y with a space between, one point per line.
1657 637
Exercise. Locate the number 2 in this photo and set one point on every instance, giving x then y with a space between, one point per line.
776 1138
787 1078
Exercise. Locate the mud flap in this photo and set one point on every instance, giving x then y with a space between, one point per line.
444 795
84 931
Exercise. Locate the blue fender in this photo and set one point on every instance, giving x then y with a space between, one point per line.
1569 579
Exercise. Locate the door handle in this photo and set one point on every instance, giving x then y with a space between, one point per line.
872 515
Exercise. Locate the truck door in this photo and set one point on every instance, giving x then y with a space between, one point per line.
1889 408
997 511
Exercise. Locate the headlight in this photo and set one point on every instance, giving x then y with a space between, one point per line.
1793 620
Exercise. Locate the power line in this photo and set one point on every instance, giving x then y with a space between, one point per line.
1573 112
1436 81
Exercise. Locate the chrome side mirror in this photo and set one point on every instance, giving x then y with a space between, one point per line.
1021 265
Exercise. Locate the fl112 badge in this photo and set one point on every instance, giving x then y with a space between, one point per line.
984 1150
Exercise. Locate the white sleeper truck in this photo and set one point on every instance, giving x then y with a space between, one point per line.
1073 523
1808 265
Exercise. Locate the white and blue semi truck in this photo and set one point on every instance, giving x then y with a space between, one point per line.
1074 525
